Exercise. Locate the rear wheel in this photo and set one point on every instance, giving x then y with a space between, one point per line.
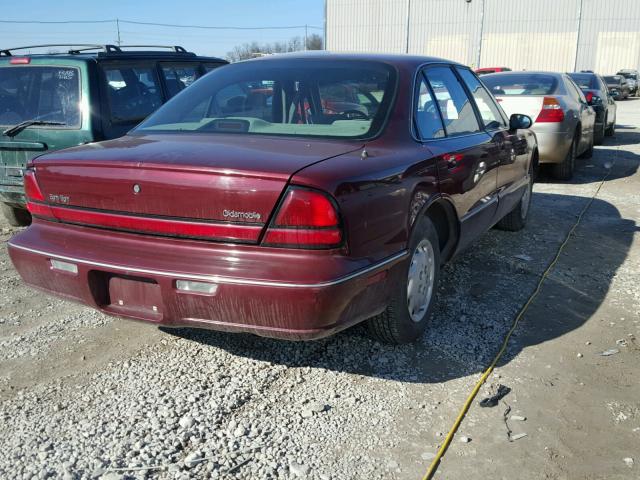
599 136
588 153
405 318
564 170
17 217
611 130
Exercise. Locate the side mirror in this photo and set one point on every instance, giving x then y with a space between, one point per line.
518 121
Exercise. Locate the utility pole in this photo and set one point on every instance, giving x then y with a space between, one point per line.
306 28
406 46
481 35
575 62
118 28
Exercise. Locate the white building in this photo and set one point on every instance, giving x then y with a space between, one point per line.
561 35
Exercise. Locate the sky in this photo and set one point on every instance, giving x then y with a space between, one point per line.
223 13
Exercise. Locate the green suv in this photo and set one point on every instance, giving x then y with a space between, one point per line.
86 94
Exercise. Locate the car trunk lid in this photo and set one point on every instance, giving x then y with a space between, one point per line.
529 105
215 187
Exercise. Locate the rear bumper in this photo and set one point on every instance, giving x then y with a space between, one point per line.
278 293
13 195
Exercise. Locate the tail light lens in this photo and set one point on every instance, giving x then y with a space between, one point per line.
20 61
551 111
306 219
589 96
35 198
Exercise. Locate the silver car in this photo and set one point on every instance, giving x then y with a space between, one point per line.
564 122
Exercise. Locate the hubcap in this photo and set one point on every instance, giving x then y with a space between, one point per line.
420 280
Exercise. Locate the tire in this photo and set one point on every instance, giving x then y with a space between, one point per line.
611 131
588 153
17 217
396 325
599 138
517 218
564 170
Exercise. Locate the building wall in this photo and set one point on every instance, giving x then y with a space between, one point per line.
558 35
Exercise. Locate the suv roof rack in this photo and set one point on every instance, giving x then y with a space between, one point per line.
87 47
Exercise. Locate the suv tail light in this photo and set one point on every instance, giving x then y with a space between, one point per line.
305 219
35 198
589 97
551 111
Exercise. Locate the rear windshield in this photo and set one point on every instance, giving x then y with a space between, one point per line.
632 76
613 78
288 97
40 93
521 84
585 81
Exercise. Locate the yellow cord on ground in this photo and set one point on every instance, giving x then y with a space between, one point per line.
467 404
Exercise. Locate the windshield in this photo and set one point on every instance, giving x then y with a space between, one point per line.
585 81
49 94
631 76
521 84
283 97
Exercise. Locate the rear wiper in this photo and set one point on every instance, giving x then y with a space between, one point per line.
16 129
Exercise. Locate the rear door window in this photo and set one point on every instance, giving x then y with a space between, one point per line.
489 111
178 76
40 93
133 91
455 106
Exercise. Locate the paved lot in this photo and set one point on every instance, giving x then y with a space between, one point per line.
85 396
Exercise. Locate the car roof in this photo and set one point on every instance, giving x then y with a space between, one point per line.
111 52
406 60
529 72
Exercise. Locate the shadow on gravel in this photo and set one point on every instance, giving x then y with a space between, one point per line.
627 162
480 293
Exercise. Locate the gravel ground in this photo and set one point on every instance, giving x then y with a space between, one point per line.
87 396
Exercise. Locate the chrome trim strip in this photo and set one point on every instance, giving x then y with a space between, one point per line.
217 278
477 210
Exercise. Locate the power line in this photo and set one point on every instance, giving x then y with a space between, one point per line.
57 22
288 27
170 25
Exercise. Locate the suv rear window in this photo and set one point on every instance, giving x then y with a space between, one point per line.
301 98
178 76
133 91
521 84
40 93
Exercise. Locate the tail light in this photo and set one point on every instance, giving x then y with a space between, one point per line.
35 198
20 61
589 96
305 219
551 111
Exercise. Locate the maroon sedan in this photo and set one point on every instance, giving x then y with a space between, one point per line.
289 196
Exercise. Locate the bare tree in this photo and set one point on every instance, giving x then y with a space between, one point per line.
254 49
314 42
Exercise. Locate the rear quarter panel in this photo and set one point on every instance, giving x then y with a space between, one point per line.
375 193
